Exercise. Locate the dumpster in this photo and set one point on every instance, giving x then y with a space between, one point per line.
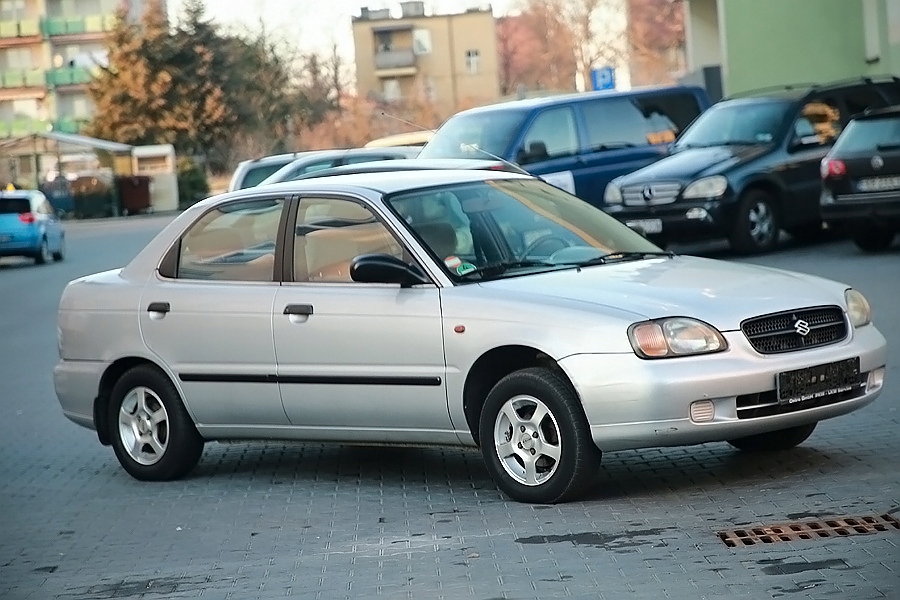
134 194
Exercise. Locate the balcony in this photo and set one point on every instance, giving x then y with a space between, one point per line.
91 24
22 127
19 29
22 78
395 63
69 124
68 76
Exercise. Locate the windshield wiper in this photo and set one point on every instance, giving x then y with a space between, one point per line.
499 268
622 256
612 146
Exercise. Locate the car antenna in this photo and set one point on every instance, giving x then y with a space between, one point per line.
513 166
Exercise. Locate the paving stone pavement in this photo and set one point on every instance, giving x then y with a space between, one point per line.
264 520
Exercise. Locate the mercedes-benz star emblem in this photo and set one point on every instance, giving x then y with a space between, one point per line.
647 193
801 327
877 162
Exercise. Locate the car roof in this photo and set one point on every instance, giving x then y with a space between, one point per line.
404 164
541 101
287 156
18 194
386 182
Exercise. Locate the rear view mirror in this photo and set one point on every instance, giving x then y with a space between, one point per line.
385 268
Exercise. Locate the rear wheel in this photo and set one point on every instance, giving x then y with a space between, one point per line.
535 438
783 439
153 436
756 224
873 239
43 253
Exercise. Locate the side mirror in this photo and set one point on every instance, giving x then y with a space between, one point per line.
384 268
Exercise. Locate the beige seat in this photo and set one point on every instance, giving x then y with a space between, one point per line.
440 236
329 252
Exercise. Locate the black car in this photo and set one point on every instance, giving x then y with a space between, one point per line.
861 179
746 168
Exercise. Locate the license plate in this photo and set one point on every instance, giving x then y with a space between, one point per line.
647 225
818 381
878 184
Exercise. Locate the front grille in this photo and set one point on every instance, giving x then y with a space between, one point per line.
796 329
765 404
660 192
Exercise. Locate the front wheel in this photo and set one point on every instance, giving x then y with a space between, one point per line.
535 438
153 437
756 224
783 439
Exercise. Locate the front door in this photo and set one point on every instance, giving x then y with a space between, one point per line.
211 320
359 362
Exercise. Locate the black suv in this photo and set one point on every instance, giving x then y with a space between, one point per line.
746 168
861 179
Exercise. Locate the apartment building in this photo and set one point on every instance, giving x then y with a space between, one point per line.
48 52
448 60
750 44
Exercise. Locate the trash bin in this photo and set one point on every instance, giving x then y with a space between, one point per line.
134 194
92 197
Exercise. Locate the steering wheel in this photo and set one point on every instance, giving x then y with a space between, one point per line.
540 242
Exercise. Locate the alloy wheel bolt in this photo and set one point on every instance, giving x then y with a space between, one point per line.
523 429
520 445
533 452
534 435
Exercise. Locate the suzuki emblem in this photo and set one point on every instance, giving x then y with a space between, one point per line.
801 327
877 162
647 193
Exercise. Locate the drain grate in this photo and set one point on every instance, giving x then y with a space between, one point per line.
808 530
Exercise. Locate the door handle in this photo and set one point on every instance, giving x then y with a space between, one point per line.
159 307
298 309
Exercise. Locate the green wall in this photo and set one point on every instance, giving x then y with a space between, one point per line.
776 42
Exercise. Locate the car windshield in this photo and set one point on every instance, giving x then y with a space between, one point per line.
736 123
474 135
869 135
507 227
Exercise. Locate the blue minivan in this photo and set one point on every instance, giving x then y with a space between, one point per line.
578 142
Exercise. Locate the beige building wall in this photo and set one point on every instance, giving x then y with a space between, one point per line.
448 60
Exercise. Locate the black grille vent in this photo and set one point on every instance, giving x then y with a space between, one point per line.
784 331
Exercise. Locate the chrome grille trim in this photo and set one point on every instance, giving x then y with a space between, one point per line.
664 192
776 333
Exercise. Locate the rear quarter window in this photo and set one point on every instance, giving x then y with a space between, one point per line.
867 135
255 175
638 120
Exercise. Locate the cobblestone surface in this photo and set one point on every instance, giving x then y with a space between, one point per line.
329 522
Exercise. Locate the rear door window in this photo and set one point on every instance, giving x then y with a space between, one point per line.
14 206
255 175
870 136
638 121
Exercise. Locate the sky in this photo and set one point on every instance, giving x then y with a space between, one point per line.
313 25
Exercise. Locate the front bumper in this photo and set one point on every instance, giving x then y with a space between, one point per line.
77 384
632 403
683 220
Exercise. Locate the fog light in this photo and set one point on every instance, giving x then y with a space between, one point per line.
702 411
875 381
697 213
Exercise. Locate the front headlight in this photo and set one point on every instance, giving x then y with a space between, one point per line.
858 308
674 336
612 195
708 187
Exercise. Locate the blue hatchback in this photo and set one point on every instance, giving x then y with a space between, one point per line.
29 226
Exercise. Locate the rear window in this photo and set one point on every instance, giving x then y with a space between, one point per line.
870 135
14 206
463 135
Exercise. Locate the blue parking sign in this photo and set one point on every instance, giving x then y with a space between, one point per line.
603 78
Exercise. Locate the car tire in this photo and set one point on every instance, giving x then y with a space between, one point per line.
535 438
873 239
152 434
43 254
60 253
783 439
756 225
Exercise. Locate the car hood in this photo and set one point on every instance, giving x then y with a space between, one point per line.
720 293
691 163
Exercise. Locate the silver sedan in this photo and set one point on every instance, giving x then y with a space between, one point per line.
448 307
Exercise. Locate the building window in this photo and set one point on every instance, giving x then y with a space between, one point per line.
472 59
421 41
391 90
11 10
384 41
